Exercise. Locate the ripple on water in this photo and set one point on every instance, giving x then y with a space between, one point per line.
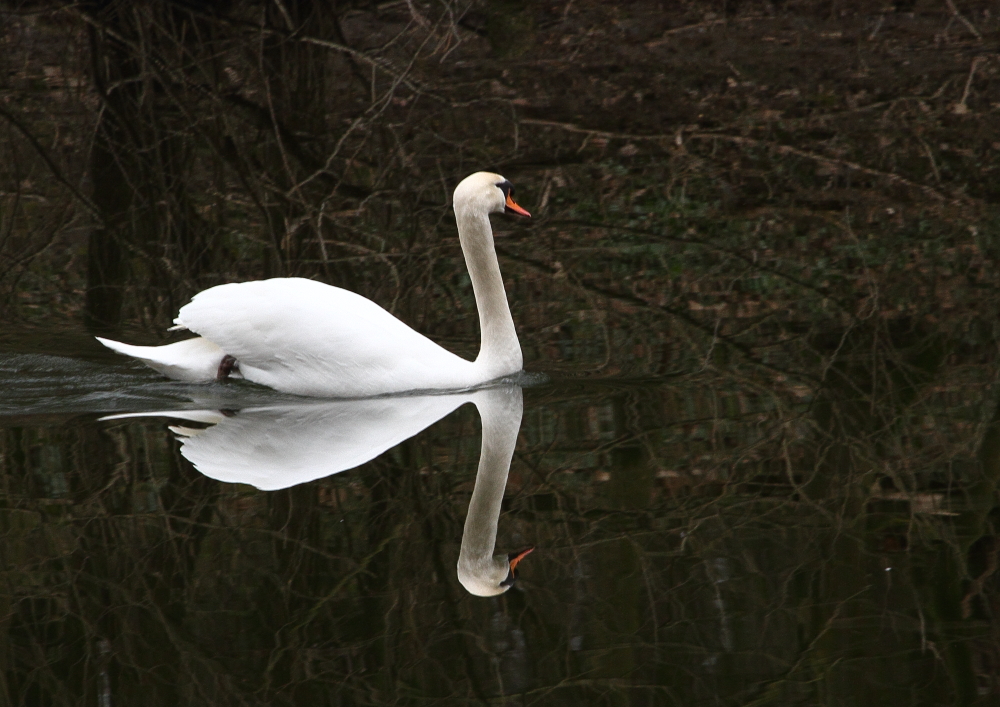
36 384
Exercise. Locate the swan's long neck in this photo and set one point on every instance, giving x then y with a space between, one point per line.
500 352
500 410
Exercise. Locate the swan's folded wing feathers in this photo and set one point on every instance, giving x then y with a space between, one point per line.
289 332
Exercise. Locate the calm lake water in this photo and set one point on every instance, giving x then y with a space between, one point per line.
697 541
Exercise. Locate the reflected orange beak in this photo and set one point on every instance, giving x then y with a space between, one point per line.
514 208
516 557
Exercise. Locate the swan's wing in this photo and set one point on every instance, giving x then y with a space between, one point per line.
305 337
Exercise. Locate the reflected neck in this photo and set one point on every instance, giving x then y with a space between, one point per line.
500 352
500 410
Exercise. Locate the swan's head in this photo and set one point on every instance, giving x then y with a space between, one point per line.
495 577
486 193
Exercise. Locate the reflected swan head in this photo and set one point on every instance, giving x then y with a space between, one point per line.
485 192
277 446
494 577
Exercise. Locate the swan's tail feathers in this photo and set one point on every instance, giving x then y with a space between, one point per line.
194 360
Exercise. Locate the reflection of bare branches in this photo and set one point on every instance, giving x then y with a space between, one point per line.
251 595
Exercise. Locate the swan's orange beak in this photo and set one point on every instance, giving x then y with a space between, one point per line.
513 208
516 557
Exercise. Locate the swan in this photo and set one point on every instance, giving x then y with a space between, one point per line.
307 338
480 571
278 446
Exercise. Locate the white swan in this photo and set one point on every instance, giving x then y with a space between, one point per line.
278 446
479 570
301 336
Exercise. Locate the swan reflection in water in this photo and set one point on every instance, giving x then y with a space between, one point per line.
275 447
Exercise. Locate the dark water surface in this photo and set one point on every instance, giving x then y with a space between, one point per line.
696 543
761 278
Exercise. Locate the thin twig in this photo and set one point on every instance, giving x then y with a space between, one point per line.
739 140
700 25
789 150
961 108
878 26
930 157
90 206
957 15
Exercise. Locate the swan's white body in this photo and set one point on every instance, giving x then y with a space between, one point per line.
304 337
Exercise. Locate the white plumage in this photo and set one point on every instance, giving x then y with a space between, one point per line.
279 446
304 337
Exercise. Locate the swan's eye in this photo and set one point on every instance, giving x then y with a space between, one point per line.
507 188
511 578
